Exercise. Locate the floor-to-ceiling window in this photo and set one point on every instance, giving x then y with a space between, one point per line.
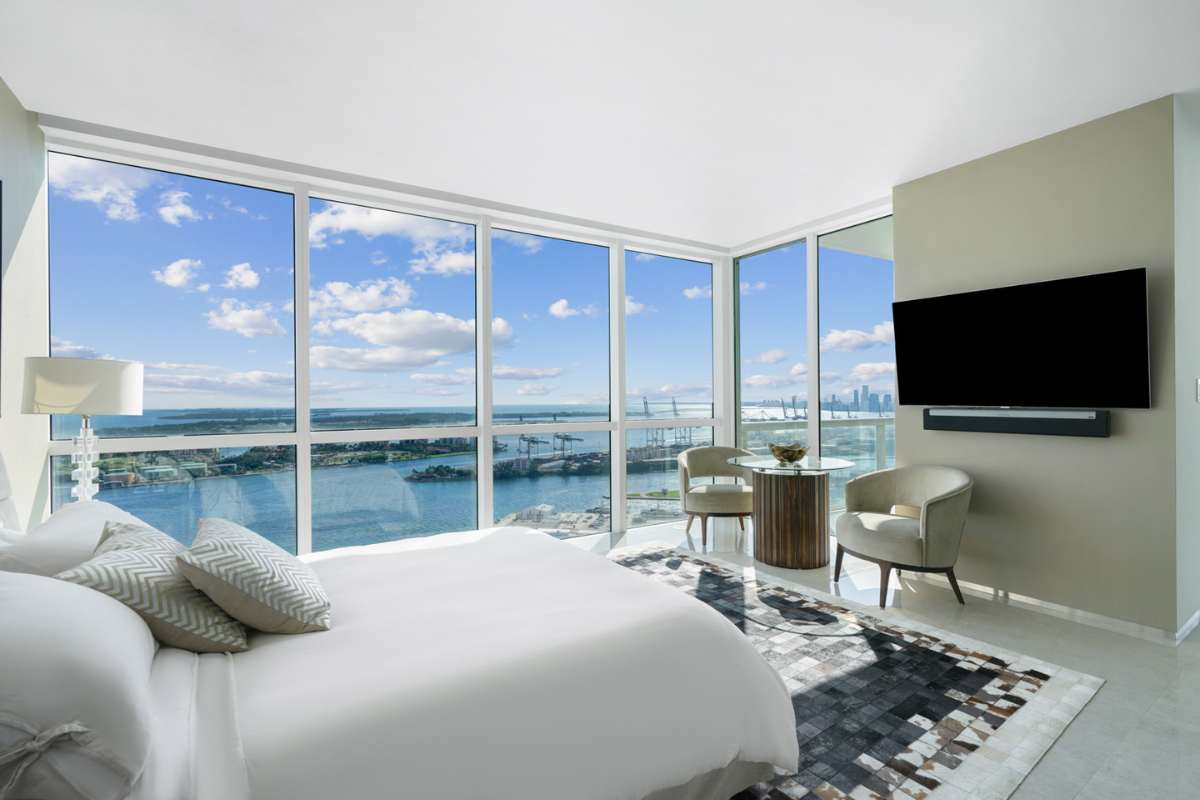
315 370
195 278
772 336
858 352
669 378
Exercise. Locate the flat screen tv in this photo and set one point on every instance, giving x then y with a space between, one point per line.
1070 343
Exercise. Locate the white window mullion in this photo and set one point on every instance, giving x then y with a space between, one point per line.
483 373
303 382
724 369
616 373
813 323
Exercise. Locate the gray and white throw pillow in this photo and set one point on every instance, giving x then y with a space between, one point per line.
137 565
255 580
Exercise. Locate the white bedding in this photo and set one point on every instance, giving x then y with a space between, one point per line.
497 664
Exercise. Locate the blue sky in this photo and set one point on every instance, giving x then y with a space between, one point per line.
194 277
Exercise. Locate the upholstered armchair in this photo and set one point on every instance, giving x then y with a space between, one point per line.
908 518
713 499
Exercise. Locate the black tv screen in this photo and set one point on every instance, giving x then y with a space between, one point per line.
1071 343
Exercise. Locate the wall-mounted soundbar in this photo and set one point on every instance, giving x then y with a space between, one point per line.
1047 422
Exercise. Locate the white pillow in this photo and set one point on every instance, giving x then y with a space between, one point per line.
76 672
64 541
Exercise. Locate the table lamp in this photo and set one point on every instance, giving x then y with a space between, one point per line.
84 386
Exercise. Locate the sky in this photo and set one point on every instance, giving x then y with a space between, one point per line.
195 278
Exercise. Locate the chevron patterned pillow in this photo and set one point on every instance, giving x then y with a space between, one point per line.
137 565
255 580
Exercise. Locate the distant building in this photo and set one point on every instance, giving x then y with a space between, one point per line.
873 403
854 406
887 403
865 397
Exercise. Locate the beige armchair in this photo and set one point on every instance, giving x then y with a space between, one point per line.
908 518
713 499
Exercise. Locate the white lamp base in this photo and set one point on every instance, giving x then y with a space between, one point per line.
84 458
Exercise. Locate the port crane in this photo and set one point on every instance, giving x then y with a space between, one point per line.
529 445
564 446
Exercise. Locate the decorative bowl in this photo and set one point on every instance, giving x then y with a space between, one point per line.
788 453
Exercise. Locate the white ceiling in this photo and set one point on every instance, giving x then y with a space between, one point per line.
711 120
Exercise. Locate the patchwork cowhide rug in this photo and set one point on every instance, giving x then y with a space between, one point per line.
884 710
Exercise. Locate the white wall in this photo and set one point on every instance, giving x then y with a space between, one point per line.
1187 354
24 299
1085 523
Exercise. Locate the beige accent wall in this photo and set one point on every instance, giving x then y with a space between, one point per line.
23 301
1187 355
1085 523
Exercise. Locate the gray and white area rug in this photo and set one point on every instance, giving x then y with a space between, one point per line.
883 710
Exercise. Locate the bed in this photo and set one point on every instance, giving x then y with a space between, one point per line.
494 664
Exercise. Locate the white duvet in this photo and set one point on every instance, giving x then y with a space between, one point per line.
497 664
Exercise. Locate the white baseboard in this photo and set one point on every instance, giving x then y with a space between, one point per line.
1091 619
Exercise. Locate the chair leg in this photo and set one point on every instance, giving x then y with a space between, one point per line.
687 532
885 572
704 532
954 586
742 523
691 519
837 564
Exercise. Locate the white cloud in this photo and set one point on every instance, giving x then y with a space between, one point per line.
245 319
697 292
339 297
770 381
417 328
338 218
872 371
502 372
748 287
460 377
251 382
528 242
673 390
371 359
203 287
438 261
113 188
241 276
852 339
562 309
65 348
644 257
799 370
178 274
173 207
773 356
378 258
534 389
633 307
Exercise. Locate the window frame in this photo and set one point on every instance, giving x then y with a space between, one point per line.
302 184
811 235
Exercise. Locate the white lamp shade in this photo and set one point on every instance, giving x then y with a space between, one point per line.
82 386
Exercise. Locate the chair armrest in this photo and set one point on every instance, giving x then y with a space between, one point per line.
874 491
685 483
943 519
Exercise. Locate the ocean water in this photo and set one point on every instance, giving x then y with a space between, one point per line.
367 503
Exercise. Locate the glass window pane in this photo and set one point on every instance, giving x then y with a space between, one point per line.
858 351
550 334
652 472
553 481
368 492
668 336
392 303
192 277
173 489
773 345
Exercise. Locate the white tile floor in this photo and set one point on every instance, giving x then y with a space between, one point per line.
1139 737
